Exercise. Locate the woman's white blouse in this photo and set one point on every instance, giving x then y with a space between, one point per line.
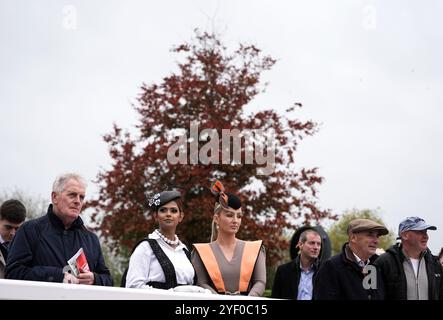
144 266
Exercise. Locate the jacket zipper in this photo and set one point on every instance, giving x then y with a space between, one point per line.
416 280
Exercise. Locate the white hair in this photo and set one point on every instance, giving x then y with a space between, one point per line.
59 183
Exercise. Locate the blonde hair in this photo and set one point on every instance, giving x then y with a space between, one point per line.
214 231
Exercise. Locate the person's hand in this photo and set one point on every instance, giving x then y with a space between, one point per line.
85 277
69 278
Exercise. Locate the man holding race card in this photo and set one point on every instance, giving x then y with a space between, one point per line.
57 247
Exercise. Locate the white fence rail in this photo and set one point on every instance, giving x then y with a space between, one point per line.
35 290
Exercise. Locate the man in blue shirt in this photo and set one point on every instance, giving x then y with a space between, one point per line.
294 280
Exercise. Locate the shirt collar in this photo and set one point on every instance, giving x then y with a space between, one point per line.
357 258
311 267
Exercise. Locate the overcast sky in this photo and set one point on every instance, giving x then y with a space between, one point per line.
369 71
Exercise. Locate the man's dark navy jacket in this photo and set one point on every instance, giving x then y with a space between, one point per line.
341 278
42 247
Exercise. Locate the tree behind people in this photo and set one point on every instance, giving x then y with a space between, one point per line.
212 87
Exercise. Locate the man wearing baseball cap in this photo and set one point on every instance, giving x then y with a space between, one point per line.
342 277
409 270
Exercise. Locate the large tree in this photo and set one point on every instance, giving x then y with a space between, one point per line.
211 88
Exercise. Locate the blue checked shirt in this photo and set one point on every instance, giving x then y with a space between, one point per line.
305 285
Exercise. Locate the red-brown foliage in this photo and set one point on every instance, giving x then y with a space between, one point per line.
211 87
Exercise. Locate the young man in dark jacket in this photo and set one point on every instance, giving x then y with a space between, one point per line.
295 279
12 215
409 270
351 274
42 247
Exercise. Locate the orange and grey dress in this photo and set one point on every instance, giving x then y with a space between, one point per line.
245 273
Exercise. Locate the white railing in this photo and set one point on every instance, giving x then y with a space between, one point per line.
35 290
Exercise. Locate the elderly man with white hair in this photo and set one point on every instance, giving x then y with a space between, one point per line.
42 247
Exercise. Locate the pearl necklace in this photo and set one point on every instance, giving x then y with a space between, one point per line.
170 242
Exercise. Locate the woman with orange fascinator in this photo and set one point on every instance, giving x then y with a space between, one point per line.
228 265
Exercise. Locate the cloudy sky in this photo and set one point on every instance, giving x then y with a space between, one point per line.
370 72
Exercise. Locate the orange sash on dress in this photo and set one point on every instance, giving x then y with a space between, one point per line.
249 257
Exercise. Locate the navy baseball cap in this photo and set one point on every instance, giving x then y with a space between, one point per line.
414 224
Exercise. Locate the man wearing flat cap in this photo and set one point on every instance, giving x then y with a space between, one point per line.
345 275
409 270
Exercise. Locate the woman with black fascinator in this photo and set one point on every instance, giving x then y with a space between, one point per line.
228 265
161 260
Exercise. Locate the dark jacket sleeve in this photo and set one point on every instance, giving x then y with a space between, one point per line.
102 276
382 264
20 256
276 287
326 285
